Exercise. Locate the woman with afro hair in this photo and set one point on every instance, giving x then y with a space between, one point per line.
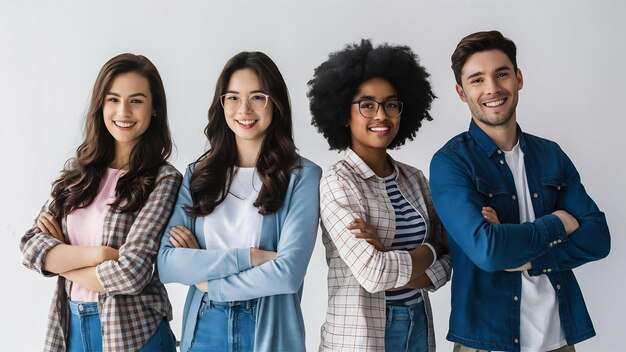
384 243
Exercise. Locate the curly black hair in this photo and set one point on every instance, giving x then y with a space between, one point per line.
335 82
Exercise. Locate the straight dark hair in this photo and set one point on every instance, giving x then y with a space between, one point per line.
481 41
80 178
214 170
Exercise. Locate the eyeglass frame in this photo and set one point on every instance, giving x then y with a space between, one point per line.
378 104
267 99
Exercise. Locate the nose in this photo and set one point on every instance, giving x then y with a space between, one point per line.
245 105
123 109
381 114
492 86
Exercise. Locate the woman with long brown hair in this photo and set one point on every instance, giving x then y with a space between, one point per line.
245 221
100 231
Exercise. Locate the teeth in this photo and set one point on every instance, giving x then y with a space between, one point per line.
495 103
124 124
379 129
246 122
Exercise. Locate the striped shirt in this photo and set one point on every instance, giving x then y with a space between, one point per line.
135 302
410 232
358 274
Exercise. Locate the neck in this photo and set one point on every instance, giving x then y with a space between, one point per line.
505 136
248 152
376 159
122 157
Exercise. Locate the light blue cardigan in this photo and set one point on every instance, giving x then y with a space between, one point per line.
291 232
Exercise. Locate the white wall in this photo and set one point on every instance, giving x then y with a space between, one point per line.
572 54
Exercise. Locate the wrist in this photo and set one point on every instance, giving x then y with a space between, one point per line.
432 249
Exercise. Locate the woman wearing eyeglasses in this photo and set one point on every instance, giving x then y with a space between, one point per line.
245 221
384 242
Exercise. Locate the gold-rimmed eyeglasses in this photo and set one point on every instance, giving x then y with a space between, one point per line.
256 101
369 107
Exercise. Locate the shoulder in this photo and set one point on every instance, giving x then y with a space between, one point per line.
540 141
455 143
308 167
409 171
168 170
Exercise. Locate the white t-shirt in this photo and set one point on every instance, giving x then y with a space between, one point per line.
540 323
236 222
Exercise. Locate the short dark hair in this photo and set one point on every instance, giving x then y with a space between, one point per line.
335 82
481 41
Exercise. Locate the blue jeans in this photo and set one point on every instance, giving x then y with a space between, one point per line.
85 333
225 326
407 328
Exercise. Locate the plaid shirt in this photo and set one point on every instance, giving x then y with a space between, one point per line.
358 274
135 301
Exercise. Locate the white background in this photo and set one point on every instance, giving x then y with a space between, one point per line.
572 54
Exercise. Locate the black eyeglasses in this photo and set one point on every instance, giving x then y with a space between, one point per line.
369 108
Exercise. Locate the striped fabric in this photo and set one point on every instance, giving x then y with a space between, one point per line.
410 232
135 301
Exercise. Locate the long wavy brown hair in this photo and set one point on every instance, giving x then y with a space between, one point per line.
215 169
80 178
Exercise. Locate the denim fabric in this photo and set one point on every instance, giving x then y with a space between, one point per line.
225 326
406 329
85 331
461 348
470 172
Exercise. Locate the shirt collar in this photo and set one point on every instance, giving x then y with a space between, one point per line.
361 167
487 144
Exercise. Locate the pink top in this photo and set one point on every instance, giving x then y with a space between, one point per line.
85 225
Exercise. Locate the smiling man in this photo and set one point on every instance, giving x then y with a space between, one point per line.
518 218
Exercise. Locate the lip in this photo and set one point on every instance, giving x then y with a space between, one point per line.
124 125
379 130
247 123
495 103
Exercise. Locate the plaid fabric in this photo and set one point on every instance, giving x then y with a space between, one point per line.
135 301
358 274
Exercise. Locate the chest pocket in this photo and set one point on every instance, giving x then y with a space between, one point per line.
553 186
495 195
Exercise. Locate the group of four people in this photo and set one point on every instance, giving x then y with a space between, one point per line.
240 226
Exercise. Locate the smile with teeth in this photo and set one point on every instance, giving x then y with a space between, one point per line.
124 124
493 104
379 129
246 122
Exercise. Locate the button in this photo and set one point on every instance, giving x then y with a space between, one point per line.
544 270
535 195
516 341
490 194
80 307
558 286
550 244
514 197
502 162
499 151
515 298
558 187
558 241
549 270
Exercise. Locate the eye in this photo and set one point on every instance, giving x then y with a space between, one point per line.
136 101
232 97
502 74
391 104
476 80
257 97
112 99
366 104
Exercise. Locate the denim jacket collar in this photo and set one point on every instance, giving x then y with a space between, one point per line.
487 144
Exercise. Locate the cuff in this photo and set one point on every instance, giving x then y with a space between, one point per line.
243 259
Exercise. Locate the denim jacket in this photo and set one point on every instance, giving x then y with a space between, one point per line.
470 172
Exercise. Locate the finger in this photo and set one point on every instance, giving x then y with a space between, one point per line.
56 225
42 226
187 237
174 240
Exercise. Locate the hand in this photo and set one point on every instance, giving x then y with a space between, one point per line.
569 222
50 226
490 215
365 231
182 237
524 267
260 256
203 286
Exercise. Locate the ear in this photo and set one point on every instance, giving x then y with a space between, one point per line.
460 92
520 79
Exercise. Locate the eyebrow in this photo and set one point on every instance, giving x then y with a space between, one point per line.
371 97
252 92
130 96
480 73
